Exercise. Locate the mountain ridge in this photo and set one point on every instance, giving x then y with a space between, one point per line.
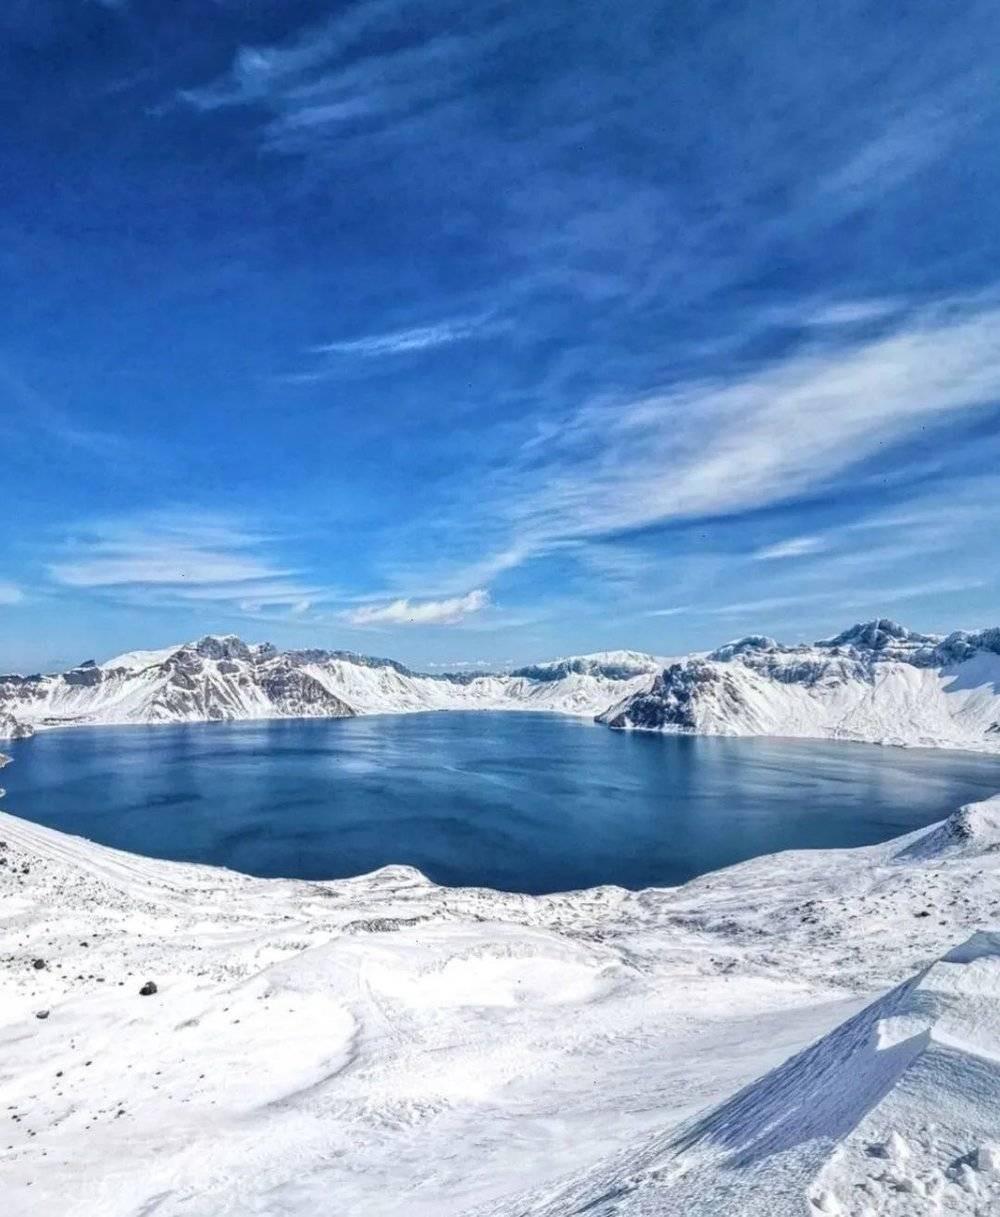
874 682
222 677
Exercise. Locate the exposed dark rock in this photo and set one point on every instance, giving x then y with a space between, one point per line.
85 677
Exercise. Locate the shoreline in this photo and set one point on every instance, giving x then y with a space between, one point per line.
933 745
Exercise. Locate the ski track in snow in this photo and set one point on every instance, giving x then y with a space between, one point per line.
384 1046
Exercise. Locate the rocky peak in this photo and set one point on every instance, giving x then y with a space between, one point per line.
743 646
876 635
963 644
221 646
10 728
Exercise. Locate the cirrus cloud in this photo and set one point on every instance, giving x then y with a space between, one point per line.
421 612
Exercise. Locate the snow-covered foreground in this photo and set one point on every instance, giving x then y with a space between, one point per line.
383 1046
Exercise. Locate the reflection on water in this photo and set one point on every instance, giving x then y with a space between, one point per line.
523 802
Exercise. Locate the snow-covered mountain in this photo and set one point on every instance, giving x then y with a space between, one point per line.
225 678
876 681
797 1036
10 728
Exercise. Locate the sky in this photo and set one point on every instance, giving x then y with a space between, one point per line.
478 333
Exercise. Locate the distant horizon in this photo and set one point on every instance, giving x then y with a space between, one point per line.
470 334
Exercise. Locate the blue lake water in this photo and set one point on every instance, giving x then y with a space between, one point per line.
522 802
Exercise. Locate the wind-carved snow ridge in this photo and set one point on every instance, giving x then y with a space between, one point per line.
796 1035
894 1113
224 678
876 682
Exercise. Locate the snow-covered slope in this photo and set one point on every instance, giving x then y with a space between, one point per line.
225 678
894 1113
877 682
384 1046
10 728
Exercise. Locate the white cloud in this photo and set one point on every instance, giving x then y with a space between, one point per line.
321 83
871 601
421 612
400 342
905 147
768 604
795 547
10 593
182 557
852 312
719 447
177 564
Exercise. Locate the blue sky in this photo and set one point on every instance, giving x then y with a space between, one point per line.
483 332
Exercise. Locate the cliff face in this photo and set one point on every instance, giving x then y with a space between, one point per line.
227 678
10 728
876 681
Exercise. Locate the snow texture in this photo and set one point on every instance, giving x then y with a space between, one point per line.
876 682
816 1032
225 678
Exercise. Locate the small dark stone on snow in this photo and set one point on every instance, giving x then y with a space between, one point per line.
148 989
41 1014
38 964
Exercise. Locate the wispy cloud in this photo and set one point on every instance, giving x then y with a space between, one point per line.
903 148
716 447
794 547
400 342
872 600
10 593
709 449
421 612
32 410
182 557
852 312
327 81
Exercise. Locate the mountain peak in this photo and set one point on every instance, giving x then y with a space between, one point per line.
740 646
221 646
875 635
